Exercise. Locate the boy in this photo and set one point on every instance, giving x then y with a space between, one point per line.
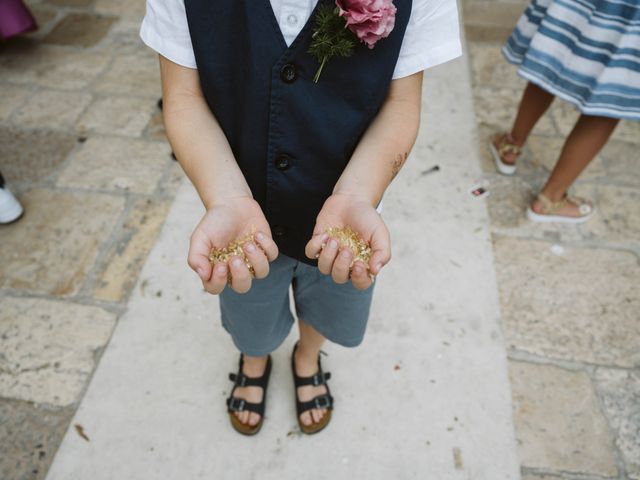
272 151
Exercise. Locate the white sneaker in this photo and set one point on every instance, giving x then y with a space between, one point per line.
10 208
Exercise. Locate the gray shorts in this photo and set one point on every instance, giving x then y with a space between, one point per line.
261 319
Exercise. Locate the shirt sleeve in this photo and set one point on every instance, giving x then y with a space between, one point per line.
432 37
165 29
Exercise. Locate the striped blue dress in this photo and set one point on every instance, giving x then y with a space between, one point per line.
584 51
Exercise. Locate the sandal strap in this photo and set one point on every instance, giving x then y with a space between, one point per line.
235 404
584 206
505 146
320 378
324 400
551 208
321 401
241 380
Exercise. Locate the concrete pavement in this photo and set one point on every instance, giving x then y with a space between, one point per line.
425 396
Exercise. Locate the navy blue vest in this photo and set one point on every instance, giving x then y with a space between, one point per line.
292 138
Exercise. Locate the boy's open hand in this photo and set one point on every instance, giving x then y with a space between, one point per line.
222 224
340 210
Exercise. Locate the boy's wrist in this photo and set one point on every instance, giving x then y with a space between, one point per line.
220 198
358 194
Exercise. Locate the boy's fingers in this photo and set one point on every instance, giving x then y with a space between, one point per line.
313 247
257 259
327 256
198 257
268 245
218 279
340 270
360 277
240 276
381 246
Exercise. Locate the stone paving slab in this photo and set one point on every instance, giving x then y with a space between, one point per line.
132 74
122 8
52 109
117 116
116 164
50 66
595 320
124 260
69 264
530 476
568 292
11 97
65 231
71 3
48 348
155 406
495 108
79 29
36 432
31 156
45 14
620 392
489 68
552 405
615 223
622 163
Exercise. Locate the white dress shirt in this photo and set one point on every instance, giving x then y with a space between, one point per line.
432 35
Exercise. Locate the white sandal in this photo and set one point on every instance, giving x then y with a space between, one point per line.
504 146
549 210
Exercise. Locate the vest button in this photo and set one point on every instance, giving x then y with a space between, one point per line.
279 230
283 161
288 73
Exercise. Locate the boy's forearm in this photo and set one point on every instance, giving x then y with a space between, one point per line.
198 140
385 146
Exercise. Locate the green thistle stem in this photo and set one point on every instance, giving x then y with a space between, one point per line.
317 76
330 38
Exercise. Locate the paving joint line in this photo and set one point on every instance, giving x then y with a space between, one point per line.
572 365
111 307
569 475
586 244
90 281
613 433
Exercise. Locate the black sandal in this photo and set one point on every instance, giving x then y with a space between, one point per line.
324 400
235 404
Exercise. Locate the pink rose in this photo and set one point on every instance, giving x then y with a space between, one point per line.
370 20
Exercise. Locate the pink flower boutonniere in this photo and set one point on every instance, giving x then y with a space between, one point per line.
339 29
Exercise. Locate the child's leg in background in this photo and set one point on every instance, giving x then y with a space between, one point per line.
587 138
534 103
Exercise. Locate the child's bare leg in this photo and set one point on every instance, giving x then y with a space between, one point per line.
535 101
252 367
588 136
306 362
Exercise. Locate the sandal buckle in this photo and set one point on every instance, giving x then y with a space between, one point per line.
318 379
240 380
322 402
237 404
